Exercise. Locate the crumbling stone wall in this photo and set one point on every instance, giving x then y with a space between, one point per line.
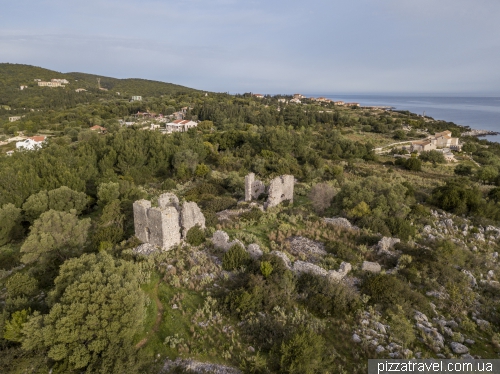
191 216
253 187
280 189
166 225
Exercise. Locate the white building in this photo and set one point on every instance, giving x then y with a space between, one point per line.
14 118
180 125
31 143
136 98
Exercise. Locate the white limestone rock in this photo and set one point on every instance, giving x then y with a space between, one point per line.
373 267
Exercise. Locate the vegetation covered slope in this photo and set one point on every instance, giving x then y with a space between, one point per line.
88 302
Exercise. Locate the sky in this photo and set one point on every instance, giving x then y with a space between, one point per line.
273 46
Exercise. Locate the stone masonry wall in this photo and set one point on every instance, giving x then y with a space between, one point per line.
166 225
280 189
253 188
191 216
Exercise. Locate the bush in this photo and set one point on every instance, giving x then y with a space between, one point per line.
321 196
413 164
218 204
432 156
252 215
10 223
235 258
195 236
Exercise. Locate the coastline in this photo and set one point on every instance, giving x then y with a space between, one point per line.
479 133
479 115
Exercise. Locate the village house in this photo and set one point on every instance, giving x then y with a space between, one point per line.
31 143
98 129
422 145
295 101
352 104
50 84
14 118
338 103
443 139
136 98
23 87
179 126
281 100
438 140
298 96
258 96
62 81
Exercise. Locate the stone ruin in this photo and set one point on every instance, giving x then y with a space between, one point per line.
279 190
166 225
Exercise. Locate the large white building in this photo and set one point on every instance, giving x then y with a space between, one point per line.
180 125
31 143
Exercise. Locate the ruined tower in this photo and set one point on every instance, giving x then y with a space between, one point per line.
253 188
162 226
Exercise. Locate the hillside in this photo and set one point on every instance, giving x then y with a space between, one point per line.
13 76
339 248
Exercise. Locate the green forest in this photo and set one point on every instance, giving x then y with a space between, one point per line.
420 234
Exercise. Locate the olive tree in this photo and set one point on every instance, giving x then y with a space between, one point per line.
97 307
54 236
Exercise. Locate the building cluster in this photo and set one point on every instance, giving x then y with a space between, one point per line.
52 83
441 141
168 124
438 140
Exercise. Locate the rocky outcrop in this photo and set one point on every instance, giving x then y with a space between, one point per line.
373 267
340 222
301 267
191 216
338 275
306 249
472 279
459 348
254 251
161 226
145 249
284 257
196 367
386 244
220 239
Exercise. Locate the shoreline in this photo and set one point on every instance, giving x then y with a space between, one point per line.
474 132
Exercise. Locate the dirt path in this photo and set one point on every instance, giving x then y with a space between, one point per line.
156 326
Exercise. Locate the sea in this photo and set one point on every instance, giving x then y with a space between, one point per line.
481 113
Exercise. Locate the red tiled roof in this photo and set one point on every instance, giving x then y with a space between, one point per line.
37 138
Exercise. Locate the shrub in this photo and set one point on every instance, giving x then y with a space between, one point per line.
252 215
321 196
195 236
432 156
218 204
413 164
266 268
235 258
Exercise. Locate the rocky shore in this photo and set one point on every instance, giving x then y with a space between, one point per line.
480 133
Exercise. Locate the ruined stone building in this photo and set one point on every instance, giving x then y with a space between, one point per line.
280 189
166 225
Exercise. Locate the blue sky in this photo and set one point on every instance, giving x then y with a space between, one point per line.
273 46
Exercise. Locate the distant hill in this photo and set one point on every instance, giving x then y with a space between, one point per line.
12 76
